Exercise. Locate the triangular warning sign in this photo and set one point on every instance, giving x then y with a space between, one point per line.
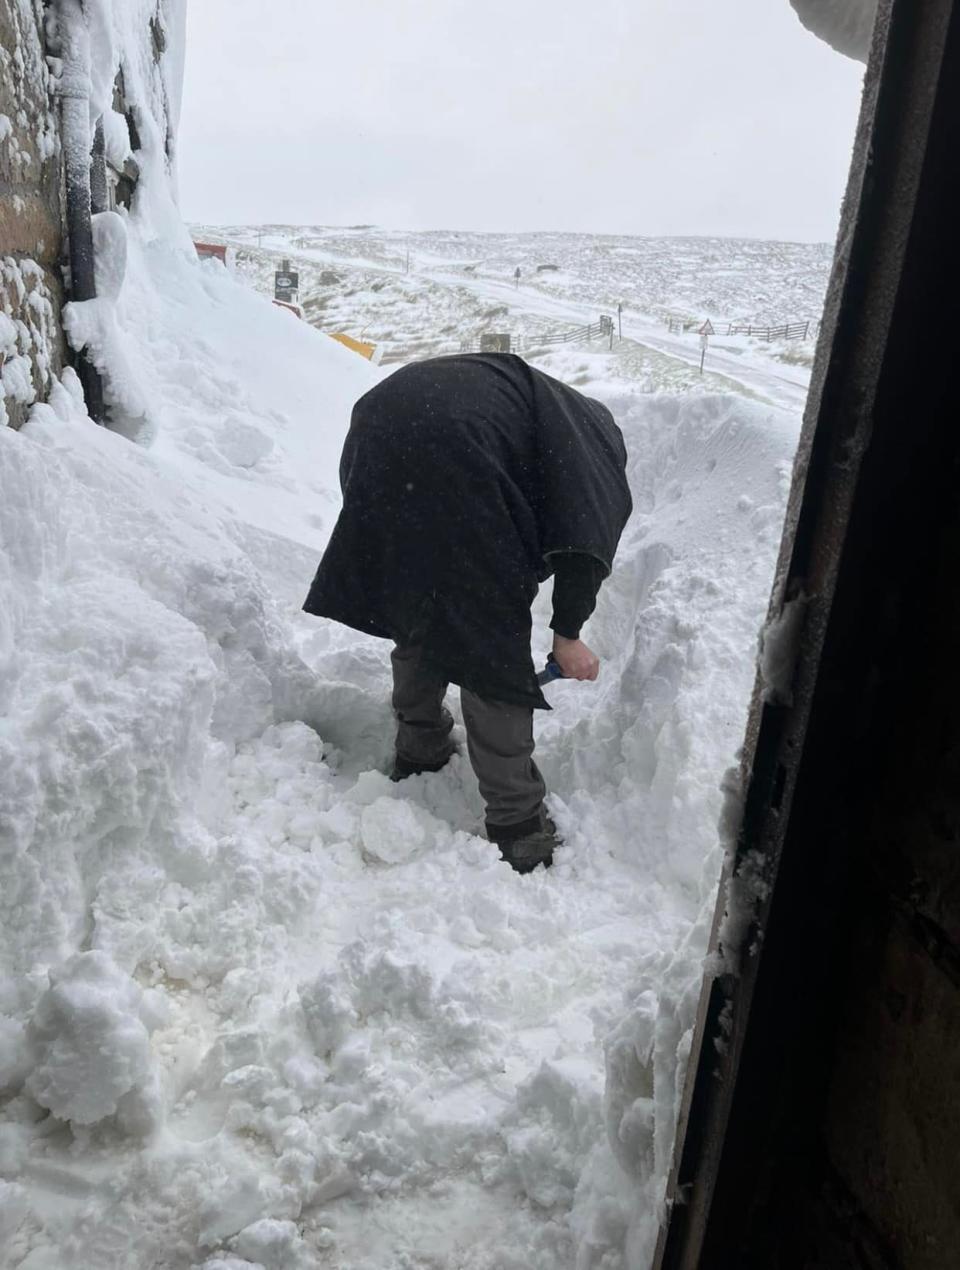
707 328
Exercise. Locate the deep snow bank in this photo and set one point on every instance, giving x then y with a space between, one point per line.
271 995
640 768
251 403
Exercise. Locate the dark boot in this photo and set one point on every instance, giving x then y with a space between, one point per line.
528 844
404 767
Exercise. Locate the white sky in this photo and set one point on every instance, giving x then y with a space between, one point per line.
624 116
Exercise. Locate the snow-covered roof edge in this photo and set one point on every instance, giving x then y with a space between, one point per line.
847 25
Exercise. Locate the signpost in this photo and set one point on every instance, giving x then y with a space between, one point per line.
705 332
620 319
516 277
286 283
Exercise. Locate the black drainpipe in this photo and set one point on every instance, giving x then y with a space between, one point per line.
75 132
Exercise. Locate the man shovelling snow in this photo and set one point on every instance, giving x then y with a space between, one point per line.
467 481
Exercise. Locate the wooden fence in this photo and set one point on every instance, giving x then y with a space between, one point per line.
601 329
592 330
788 331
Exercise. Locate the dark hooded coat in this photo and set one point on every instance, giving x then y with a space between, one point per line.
461 477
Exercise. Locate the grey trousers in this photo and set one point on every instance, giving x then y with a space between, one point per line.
499 739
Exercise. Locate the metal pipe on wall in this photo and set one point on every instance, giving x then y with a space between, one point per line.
77 151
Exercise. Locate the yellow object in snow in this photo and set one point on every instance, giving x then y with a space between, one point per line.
358 346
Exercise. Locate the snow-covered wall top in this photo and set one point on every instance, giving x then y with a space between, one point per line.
142 40
120 66
847 25
136 47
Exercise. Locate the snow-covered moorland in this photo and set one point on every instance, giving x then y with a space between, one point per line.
259 1007
420 294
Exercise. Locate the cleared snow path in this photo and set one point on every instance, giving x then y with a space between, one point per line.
283 1013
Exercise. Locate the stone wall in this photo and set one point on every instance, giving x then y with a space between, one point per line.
31 291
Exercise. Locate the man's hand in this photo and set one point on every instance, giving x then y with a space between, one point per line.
575 659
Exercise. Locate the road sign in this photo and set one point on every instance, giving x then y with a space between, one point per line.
705 332
286 282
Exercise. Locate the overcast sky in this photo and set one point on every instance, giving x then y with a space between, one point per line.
621 116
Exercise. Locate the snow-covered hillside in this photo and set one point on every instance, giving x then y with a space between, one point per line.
259 1007
413 297
725 279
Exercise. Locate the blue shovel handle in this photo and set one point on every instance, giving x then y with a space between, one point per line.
550 672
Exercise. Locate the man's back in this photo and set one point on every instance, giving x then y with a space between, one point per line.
440 420
460 476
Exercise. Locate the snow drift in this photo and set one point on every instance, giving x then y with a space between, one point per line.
314 990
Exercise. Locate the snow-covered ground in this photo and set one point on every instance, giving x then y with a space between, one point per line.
261 1007
417 294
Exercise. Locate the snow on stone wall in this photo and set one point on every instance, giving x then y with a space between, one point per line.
132 49
30 293
128 54
847 25
30 352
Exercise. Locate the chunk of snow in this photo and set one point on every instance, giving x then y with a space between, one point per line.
628 1097
276 1245
90 1047
17 379
14 1207
235 1204
116 138
552 1129
109 253
392 831
748 887
8 336
14 1054
330 1017
779 650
